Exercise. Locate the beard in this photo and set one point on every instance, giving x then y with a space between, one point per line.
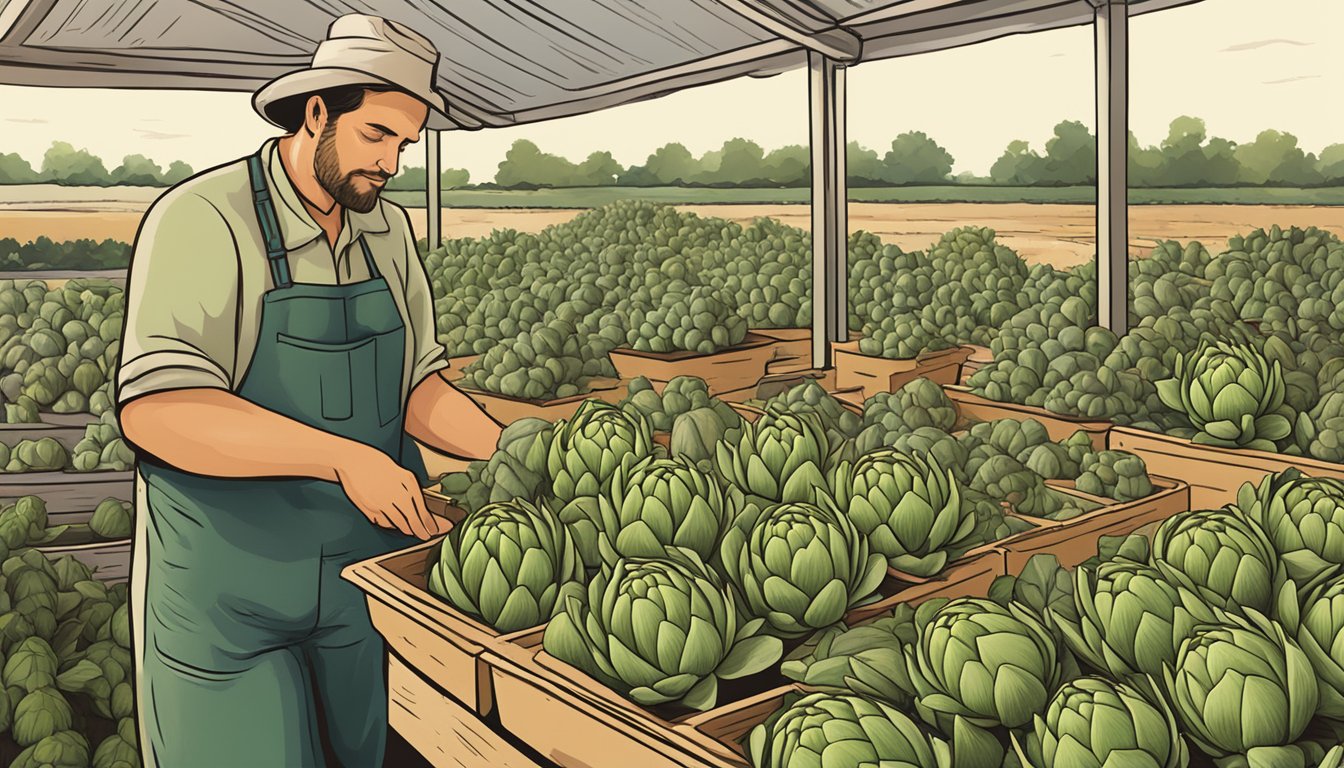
341 186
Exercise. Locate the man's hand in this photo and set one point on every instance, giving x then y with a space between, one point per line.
388 494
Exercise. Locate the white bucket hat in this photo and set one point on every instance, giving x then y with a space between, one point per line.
363 50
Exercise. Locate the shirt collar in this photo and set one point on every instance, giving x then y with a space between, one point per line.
297 227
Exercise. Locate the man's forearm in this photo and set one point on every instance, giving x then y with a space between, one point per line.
218 434
442 417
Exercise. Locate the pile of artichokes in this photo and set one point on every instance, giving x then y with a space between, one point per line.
1214 642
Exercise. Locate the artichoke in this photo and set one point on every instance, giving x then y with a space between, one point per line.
660 503
509 563
660 630
584 454
909 508
824 730
1303 518
779 458
1232 394
1319 631
866 660
1243 688
799 566
1092 722
112 519
1130 621
1225 558
978 660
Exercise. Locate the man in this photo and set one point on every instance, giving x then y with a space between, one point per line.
279 354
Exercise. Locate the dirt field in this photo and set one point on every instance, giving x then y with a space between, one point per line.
1061 235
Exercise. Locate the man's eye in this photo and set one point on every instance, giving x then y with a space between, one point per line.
367 137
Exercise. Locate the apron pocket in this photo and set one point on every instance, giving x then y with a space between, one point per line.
390 356
330 369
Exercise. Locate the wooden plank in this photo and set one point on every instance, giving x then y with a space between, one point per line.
438 641
111 560
1059 427
727 370
1214 474
576 722
510 409
872 374
1075 540
444 732
68 491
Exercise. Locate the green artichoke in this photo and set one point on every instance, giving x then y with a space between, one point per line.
1319 631
660 630
1094 723
989 664
866 660
824 730
799 566
1225 558
63 749
660 503
112 519
1130 621
1243 688
1303 517
780 458
909 508
584 454
509 563
1232 394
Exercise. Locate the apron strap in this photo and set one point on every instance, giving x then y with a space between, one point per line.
368 259
270 225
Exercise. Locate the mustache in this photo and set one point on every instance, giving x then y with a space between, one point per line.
379 175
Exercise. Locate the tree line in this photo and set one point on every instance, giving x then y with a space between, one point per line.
1187 157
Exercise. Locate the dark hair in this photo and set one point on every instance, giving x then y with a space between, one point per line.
288 112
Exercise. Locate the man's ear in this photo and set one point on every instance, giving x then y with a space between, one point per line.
315 115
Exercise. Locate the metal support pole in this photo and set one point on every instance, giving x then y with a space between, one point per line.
830 220
1112 46
433 196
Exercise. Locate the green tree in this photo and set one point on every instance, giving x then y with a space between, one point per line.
863 166
63 164
1019 165
177 172
1275 159
138 171
599 170
1070 155
1188 161
788 166
738 162
1331 164
669 165
412 177
1144 164
15 170
917 159
525 166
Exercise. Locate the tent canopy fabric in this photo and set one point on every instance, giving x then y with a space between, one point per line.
505 62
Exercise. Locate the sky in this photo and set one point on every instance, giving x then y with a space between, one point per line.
1241 65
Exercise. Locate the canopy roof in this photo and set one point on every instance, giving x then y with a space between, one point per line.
506 62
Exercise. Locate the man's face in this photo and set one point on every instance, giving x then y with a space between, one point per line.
359 151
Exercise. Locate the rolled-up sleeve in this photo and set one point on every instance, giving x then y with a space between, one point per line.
181 302
428 354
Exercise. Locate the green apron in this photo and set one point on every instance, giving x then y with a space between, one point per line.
253 644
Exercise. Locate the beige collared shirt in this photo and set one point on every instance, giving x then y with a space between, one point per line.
199 272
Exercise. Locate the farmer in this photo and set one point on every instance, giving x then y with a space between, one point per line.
278 356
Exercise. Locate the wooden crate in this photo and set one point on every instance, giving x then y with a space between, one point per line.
65 428
973 406
727 370
871 374
445 733
968 575
1075 540
510 409
111 560
1214 474
980 357
68 491
576 722
792 349
730 725
438 641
